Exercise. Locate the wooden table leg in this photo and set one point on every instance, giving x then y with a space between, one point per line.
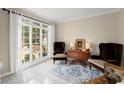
90 67
88 63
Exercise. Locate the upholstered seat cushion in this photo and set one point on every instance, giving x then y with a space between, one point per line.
60 56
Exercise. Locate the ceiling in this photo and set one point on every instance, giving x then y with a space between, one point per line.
60 15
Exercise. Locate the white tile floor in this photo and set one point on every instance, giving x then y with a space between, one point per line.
38 74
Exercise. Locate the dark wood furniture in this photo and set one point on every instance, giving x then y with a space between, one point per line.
110 52
78 55
98 64
59 48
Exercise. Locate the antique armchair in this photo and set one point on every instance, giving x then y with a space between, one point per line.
59 48
110 52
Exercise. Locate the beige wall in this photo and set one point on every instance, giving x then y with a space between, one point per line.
4 41
95 29
121 30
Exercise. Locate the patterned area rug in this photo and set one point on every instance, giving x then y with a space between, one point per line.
75 74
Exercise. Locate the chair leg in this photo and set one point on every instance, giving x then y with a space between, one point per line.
90 67
72 62
66 61
54 61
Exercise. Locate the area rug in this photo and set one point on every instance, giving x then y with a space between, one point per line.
75 73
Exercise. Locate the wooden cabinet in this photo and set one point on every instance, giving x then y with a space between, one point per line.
78 55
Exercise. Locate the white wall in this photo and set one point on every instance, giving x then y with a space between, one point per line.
4 41
96 29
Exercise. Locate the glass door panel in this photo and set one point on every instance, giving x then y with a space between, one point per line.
25 44
36 50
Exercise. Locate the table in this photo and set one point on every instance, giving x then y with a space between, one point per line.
104 66
98 64
78 55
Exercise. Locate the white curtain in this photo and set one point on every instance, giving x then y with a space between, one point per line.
15 41
51 39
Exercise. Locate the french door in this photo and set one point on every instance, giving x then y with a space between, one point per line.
34 41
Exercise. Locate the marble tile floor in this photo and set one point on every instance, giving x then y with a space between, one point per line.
38 74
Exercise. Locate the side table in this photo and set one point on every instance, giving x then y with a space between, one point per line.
78 55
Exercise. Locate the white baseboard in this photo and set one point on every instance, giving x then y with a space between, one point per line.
5 74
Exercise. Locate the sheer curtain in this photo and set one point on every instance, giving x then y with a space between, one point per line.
15 41
51 39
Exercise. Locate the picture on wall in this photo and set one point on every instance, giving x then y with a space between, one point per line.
80 43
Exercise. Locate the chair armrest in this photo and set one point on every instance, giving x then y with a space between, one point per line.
95 57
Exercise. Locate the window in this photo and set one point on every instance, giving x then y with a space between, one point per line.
34 40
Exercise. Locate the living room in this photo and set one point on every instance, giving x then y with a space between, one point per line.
88 33
90 26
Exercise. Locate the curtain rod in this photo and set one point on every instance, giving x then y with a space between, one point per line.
4 9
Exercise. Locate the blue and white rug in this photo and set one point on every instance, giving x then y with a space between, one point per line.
75 73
